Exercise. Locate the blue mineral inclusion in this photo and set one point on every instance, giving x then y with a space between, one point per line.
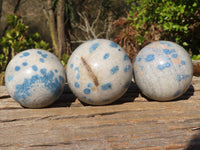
87 91
44 55
161 67
46 79
93 47
39 52
77 85
149 57
114 69
113 44
89 85
56 71
168 52
26 54
127 68
165 43
17 68
139 59
10 78
126 57
183 62
24 63
182 77
77 73
106 56
165 65
35 68
106 86
71 66
174 55
41 60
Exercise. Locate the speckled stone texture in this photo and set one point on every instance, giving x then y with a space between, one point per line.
99 72
35 78
163 70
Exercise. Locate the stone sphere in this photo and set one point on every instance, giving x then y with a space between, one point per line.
35 78
163 70
99 72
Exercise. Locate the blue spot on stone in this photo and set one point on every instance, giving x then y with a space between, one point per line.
183 62
119 50
127 68
44 55
139 59
47 79
164 43
39 52
26 54
106 56
174 56
149 58
61 79
10 78
173 50
89 85
142 68
106 86
167 65
126 57
24 63
93 47
17 68
87 91
113 44
182 77
77 85
114 69
35 68
41 60
167 51
77 73
161 67
43 71
71 66
56 70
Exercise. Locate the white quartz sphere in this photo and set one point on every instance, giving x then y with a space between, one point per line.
99 72
163 70
35 78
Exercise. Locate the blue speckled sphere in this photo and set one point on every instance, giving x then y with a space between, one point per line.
99 72
35 78
163 70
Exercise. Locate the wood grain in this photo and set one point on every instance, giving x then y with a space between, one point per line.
133 122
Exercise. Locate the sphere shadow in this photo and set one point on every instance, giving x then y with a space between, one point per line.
185 96
194 143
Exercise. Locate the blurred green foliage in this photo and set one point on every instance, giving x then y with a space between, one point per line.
17 39
177 21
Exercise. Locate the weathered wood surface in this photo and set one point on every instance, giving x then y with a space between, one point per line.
131 123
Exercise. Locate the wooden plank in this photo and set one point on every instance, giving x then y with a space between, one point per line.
132 122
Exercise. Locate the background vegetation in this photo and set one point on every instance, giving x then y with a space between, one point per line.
68 23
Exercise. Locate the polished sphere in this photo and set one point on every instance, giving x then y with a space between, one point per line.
163 70
99 72
35 78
